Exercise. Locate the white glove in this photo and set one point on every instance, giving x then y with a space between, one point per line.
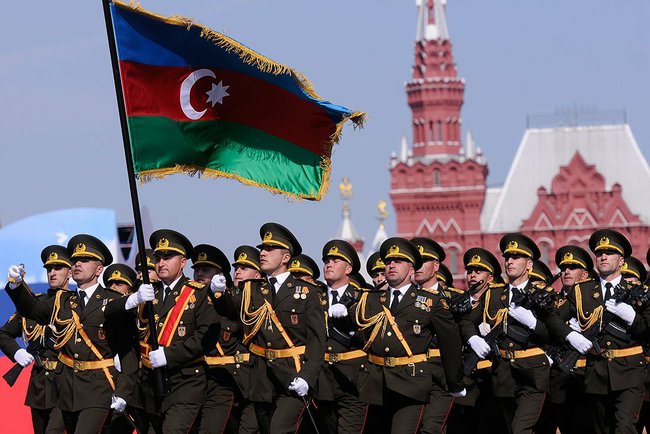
337 311
459 394
23 358
15 275
218 283
484 328
299 386
479 346
157 358
575 326
118 404
579 342
622 310
522 316
144 294
117 363
550 361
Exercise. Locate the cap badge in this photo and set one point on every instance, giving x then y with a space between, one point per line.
163 243
393 250
295 264
53 257
242 257
80 248
476 259
604 241
625 266
380 263
202 257
268 236
512 245
568 256
116 274
333 250
420 249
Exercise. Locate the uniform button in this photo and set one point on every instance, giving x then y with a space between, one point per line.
76 356
387 349
228 328
237 366
362 366
293 310
329 348
609 344
389 334
101 325
417 321
47 373
511 345
78 340
196 370
268 344
181 322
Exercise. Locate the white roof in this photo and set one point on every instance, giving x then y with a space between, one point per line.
611 148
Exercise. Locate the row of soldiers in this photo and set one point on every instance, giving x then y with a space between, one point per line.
273 349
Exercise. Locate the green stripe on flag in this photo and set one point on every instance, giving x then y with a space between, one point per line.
162 146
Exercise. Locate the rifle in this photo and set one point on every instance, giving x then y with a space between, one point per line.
539 300
461 303
36 348
566 356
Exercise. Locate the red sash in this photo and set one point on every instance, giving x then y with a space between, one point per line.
171 322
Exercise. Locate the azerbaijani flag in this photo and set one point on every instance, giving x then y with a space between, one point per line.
201 103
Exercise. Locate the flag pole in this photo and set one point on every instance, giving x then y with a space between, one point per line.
161 386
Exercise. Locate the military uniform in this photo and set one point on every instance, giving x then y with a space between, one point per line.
477 412
337 397
614 379
440 402
564 407
285 332
397 380
88 339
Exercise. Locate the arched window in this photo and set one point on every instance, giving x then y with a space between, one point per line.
436 178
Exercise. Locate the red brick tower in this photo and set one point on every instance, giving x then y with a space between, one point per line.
437 186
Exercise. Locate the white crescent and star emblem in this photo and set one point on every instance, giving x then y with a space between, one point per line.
215 95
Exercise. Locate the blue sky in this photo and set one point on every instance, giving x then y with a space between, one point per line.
61 144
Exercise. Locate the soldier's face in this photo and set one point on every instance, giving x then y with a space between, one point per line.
86 271
427 271
273 259
608 262
517 266
475 274
58 276
169 266
378 277
335 270
572 274
205 273
398 272
243 272
121 287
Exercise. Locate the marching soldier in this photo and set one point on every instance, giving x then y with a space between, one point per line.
564 407
285 330
207 262
151 268
444 276
246 265
440 400
42 394
540 274
477 412
305 268
339 407
614 377
90 387
120 278
375 268
399 325
520 377
633 271
185 323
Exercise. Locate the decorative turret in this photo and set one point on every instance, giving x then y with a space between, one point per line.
346 230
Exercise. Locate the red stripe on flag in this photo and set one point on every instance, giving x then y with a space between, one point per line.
156 91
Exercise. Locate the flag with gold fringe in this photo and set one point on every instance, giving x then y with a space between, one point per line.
199 102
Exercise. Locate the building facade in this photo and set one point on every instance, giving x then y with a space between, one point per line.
564 182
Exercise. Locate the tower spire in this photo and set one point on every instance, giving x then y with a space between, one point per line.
432 20
347 230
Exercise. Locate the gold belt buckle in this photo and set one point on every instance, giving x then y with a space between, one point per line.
335 357
269 355
78 365
608 354
510 355
239 358
389 362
